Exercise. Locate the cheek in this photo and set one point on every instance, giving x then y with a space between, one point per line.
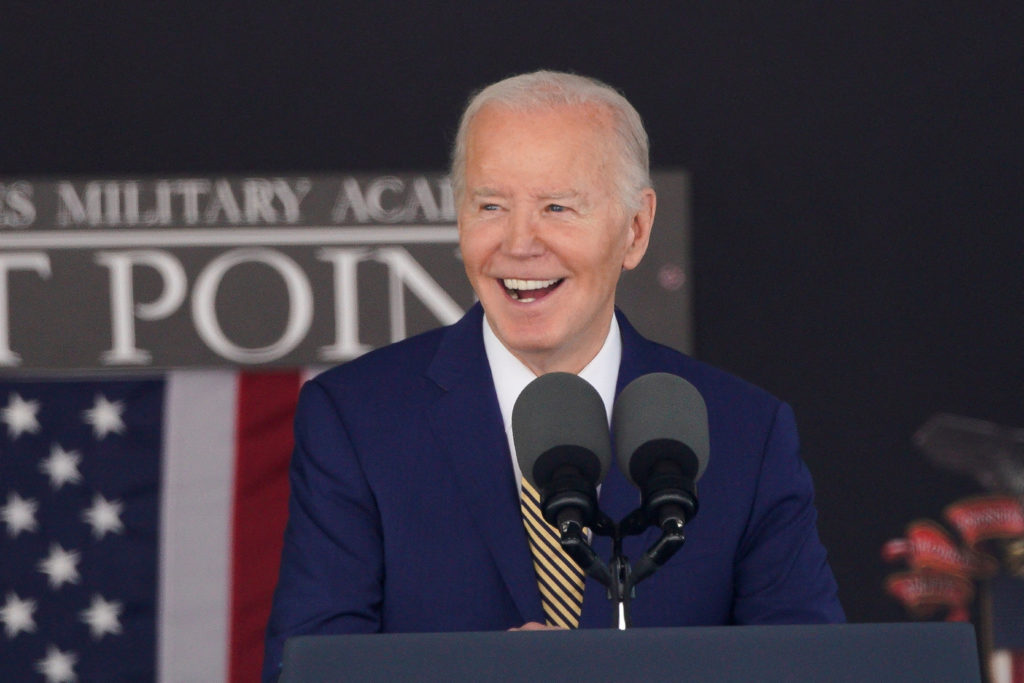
611 255
474 251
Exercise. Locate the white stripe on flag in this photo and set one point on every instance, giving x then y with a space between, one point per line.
195 526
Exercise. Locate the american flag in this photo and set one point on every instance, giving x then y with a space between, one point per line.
140 524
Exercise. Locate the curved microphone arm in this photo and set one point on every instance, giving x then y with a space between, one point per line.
574 543
671 541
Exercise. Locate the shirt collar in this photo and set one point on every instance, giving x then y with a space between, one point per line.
511 376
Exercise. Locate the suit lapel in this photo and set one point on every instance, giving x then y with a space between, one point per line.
467 423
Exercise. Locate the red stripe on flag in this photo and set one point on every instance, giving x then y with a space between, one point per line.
1017 667
266 406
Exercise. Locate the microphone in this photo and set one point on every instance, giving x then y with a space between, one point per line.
560 430
662 445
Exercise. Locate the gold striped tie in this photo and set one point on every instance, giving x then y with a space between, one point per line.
560 579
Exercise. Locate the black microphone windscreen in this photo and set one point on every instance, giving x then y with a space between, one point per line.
658 409
561 413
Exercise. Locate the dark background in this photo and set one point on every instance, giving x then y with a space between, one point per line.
857 176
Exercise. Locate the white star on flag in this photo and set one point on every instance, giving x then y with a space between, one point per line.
104 516
156 508
102 617
19 514
104 416
61 467
61 566
20 416
16 614
57 666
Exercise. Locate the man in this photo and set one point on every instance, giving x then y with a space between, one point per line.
405 512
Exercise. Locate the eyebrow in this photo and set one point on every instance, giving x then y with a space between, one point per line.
543 195
485 192
562 194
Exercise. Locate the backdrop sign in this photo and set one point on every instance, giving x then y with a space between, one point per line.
285 270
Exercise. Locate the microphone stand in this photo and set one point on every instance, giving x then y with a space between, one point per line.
620 578
569 500
621 592
614 578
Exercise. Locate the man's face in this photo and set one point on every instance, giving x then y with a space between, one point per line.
543 232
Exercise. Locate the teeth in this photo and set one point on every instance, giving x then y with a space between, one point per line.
512 283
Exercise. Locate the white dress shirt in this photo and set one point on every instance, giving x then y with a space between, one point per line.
511 377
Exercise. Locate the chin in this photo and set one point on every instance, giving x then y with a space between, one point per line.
522 337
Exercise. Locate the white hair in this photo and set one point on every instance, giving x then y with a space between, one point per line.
547 89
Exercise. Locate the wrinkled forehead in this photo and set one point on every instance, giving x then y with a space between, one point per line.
595 115
557 140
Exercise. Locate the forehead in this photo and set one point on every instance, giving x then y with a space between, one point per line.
555 141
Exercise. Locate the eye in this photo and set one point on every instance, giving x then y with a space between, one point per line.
556 208
489 207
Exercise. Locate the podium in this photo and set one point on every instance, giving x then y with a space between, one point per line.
842 652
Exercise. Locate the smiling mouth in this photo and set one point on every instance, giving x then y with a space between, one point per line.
528 291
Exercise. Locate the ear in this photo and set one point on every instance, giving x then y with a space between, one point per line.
640 229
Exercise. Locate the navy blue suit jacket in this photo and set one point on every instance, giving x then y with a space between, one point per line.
404 512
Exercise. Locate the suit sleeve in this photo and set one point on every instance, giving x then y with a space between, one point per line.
782 573
331 573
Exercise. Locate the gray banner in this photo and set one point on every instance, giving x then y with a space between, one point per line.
202 272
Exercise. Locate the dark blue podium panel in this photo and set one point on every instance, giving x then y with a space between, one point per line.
1008 613
847 652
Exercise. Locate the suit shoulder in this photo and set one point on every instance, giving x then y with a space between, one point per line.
717 386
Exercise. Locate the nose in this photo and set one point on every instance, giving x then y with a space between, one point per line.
522 234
